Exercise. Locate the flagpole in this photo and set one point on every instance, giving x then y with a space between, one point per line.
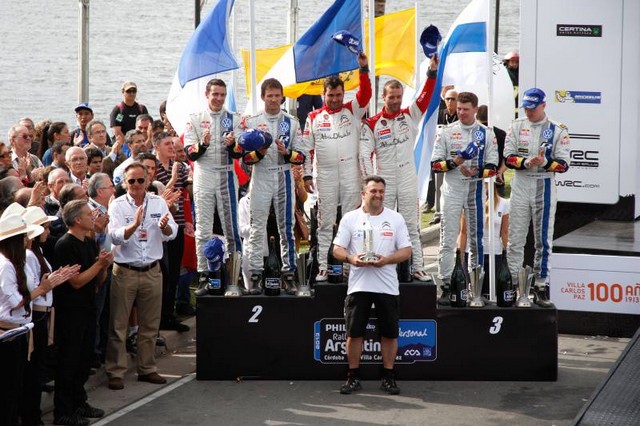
252 53
492 258
234 45
417 48
372 59
292 36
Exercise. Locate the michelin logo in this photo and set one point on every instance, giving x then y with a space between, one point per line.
578 97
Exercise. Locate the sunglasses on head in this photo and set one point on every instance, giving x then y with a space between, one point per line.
132 181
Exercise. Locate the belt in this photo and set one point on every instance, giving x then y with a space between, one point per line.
39 308
227 168
138 268
281 168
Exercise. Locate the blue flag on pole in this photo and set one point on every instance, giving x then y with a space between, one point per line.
206 54
316 55
207 51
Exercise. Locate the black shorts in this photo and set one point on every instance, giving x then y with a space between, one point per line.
357 310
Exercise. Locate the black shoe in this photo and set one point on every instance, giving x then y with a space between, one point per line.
540 297
185 309
160 341
288 278
174 325
132 343
203 282
350 386
256 284
87 410
73 420
389 386
444 297
435 220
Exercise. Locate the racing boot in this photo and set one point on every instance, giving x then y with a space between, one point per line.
256 283
540 297
289 281
444 300
203 281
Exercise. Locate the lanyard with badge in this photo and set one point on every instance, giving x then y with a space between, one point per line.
142 231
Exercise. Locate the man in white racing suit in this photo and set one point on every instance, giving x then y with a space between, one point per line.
209 142
536 147
332 134
390 135
466 152
272 182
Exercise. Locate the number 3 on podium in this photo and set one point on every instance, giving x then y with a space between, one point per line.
495 328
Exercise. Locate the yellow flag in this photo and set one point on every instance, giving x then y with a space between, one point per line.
395 56
395 45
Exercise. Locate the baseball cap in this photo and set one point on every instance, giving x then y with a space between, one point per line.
128 85
429 40
84 105
348 40
532 98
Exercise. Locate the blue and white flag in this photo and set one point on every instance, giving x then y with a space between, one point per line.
206 54
463 63
315 55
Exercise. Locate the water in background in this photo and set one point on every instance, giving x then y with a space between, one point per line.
142 41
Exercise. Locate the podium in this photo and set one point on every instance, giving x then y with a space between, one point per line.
304 338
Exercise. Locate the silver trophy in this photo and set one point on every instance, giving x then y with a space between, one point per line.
368 243
303 286
475 294
525 281
233 290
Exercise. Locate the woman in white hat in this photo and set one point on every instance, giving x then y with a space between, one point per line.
41 314
15 306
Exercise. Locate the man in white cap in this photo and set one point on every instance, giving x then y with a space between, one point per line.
536 147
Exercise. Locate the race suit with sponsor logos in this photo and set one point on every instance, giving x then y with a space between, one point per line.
533 190
333 136
460 193
272 182
215 184
390 137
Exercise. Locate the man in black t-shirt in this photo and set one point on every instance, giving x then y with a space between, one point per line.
75 314
123 115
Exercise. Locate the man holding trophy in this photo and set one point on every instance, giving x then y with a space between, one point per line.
536 147
373 239
466 152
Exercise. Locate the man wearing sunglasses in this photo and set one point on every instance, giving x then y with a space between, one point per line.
139 223
123 115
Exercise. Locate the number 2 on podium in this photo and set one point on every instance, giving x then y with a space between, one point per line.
257 310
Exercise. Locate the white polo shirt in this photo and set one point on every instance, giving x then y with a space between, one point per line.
389 235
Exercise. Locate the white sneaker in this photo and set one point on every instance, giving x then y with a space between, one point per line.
323 275
421 276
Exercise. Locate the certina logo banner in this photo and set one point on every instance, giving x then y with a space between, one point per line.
416 342
578 97
575 30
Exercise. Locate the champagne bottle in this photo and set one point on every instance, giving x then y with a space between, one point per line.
459 291
403 269
272 271
505 293
334 266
